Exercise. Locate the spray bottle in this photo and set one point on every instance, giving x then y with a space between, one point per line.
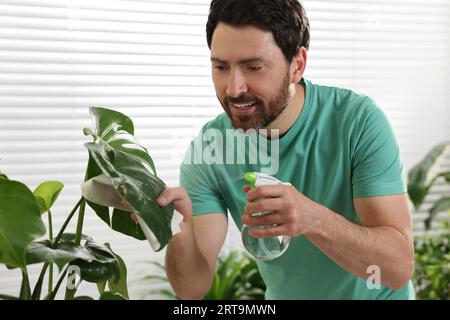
266 248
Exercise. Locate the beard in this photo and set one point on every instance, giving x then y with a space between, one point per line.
264 113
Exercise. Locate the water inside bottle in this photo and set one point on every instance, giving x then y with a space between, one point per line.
266 248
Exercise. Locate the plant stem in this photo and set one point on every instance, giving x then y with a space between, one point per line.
38 287
50 278
25 291
64 226
50 225
50 236
80 222
52 294
70 293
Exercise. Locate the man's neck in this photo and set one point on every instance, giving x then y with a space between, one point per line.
288 117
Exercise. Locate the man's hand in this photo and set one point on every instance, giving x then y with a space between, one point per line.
291 211
183 205
181 202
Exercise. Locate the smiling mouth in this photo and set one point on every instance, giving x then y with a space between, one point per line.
244 106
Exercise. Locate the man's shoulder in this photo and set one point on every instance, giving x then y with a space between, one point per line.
343 102
344 95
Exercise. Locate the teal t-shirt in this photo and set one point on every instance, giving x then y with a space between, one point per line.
340 147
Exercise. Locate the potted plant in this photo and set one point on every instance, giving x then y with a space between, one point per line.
129 176
432 253
237 278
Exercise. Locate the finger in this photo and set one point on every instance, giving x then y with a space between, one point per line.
133 217
267 191
180 199
261 205
279 230
246 188
176 195
273 218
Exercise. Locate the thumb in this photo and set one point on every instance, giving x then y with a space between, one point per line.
176 195
180 199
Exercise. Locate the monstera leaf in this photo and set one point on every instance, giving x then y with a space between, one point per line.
441 205
130 170
112 296
20 222
419 183
62 253
65 251
104 266
119 286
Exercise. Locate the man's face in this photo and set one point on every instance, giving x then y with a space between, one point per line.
250 74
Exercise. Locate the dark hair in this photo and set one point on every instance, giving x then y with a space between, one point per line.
285 18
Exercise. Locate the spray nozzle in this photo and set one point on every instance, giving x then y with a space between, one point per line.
267 248
250 177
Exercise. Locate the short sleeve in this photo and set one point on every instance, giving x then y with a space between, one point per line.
198 182
377 168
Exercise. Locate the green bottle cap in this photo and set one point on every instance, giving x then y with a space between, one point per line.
251 178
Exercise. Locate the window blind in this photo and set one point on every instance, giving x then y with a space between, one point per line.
149 60
397 53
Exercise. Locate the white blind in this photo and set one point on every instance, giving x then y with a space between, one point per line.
150 60
147 59
397 52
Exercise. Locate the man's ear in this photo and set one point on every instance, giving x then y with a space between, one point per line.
298 65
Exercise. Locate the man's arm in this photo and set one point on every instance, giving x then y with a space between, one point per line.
192 253
384 238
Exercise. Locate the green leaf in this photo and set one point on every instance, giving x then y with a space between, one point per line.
103 267
101 252
47 193
112 296
141 191
20 222
101 287
8 297
119 286
117 130
70 237
64 252
417 177
122 222
443 204
127 164
94 271
101 211
83 298
446 176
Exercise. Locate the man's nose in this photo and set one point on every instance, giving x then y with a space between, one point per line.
236 84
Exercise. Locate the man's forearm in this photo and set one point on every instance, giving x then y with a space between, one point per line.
187 269
355 247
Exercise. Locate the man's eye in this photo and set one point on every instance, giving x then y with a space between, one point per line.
255 68
220 68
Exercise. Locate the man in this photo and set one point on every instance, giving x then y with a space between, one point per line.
346 210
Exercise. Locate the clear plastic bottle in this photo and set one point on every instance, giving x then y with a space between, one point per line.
266 248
